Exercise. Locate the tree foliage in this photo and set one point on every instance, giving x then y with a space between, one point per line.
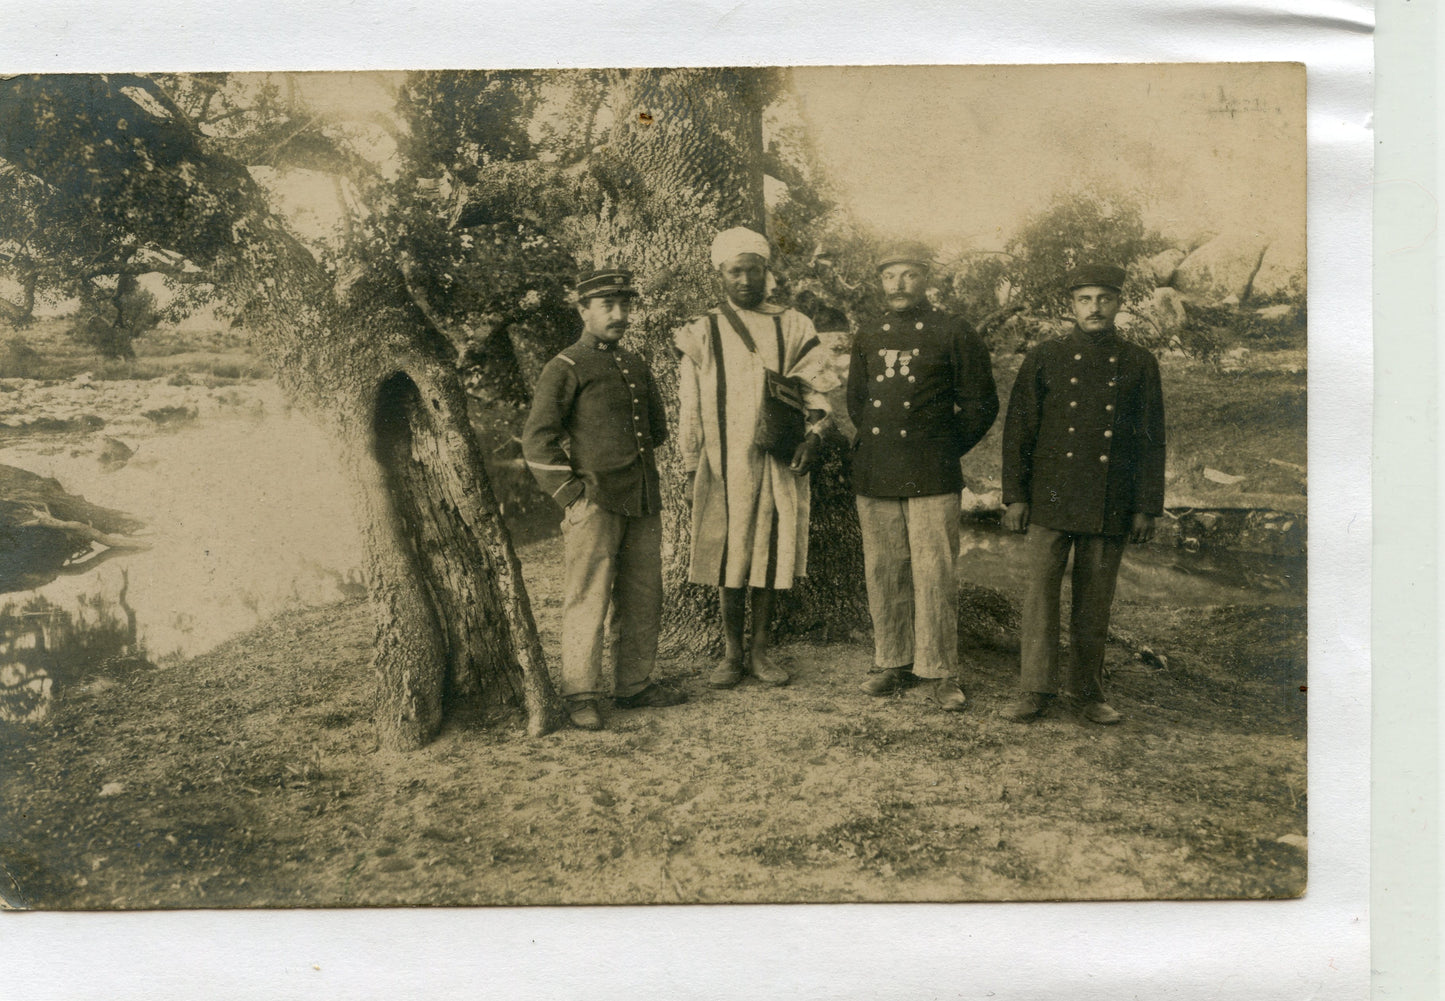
1076 227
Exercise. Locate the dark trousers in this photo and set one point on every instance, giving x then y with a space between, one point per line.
1096 569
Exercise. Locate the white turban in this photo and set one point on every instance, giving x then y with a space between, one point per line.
738 240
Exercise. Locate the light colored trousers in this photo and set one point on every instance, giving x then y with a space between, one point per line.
613 601
909 545
1096 570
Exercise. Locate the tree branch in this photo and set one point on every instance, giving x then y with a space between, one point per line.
41 516
132 269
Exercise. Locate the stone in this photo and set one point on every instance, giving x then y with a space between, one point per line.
115 453
1217 476
1167 308
1162 265
1223 267
1281 270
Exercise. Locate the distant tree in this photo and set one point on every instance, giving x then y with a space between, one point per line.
110 319
1079 226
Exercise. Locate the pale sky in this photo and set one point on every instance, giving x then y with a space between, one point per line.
961 155
944 153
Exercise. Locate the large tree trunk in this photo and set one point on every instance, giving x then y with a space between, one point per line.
452 615
453 620
685 159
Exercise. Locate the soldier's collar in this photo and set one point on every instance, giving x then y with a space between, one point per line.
597 344
921 309
1100 338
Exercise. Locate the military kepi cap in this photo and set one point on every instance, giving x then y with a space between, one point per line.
908 252
1104 275
608 281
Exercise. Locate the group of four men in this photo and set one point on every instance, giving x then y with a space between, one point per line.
1083 472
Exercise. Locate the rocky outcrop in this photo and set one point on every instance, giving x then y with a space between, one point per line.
1167 309
1281 271
1163 265
1222 269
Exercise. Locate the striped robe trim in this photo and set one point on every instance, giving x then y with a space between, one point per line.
722 422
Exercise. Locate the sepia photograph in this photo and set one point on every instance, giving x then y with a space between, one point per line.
813 484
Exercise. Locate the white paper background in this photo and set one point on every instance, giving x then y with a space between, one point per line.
1316 947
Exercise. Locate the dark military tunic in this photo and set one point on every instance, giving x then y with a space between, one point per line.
921 394
1084 435
596 420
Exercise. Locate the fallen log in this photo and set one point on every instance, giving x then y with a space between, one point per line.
47 532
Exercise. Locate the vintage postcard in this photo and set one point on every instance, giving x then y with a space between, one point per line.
756 485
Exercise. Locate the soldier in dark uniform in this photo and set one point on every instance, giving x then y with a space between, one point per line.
1083 471
921 394
590 440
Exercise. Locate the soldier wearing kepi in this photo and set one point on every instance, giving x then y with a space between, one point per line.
590 441
1083 471
921 394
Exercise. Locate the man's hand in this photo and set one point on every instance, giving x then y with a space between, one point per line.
1016 517
805 455
1142 528
687 487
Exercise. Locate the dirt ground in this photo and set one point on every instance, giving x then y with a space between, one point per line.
250 777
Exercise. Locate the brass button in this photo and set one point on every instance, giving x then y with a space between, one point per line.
903 433
1112 360
1103 458
1108 406
1078 357
875 430
1075 380
1108 434
878 403
1068 455
880 378
906 404
887 326
1071 430
918 326
1073 403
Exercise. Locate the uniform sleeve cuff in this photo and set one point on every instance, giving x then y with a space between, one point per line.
568 492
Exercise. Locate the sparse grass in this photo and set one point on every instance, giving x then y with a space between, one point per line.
810 792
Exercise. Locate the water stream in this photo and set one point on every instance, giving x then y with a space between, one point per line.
245 517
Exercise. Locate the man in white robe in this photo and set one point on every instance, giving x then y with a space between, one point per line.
749 509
